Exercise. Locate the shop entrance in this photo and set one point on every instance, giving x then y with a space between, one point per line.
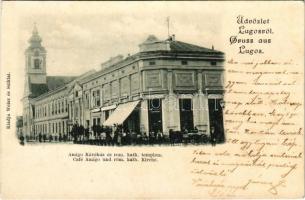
186 114
216 119
155 115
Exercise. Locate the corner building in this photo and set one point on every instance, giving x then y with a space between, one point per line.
167 85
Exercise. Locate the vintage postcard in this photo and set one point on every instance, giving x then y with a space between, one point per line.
152 100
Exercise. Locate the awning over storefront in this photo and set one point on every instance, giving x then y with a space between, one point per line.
121 113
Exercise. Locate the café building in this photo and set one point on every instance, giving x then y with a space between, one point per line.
167 85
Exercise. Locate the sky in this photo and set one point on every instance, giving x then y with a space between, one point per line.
78 42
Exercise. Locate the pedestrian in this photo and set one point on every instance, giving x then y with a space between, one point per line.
119 138
213 136
50 138
21 139
139 138
145 138
40 137
44 137
152 137
159 136
124 134
87 134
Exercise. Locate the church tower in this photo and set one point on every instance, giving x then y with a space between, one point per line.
35 56
35 79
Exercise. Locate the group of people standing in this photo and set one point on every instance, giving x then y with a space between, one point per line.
117 135
49 138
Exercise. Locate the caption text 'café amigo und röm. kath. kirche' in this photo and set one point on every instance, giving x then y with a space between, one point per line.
167 85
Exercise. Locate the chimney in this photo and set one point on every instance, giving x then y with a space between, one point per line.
173 37
212 47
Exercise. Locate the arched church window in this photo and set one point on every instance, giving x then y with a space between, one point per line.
37 63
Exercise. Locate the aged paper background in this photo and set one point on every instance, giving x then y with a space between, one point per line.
264 152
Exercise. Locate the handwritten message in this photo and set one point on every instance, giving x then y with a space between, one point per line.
264 130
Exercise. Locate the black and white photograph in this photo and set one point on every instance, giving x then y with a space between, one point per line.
169 91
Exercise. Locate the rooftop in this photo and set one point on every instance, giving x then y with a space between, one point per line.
153 46
53 82
177 46
152 43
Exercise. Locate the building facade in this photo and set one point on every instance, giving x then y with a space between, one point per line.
167 85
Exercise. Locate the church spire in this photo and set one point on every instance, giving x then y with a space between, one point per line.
35 56
35 40
35 31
